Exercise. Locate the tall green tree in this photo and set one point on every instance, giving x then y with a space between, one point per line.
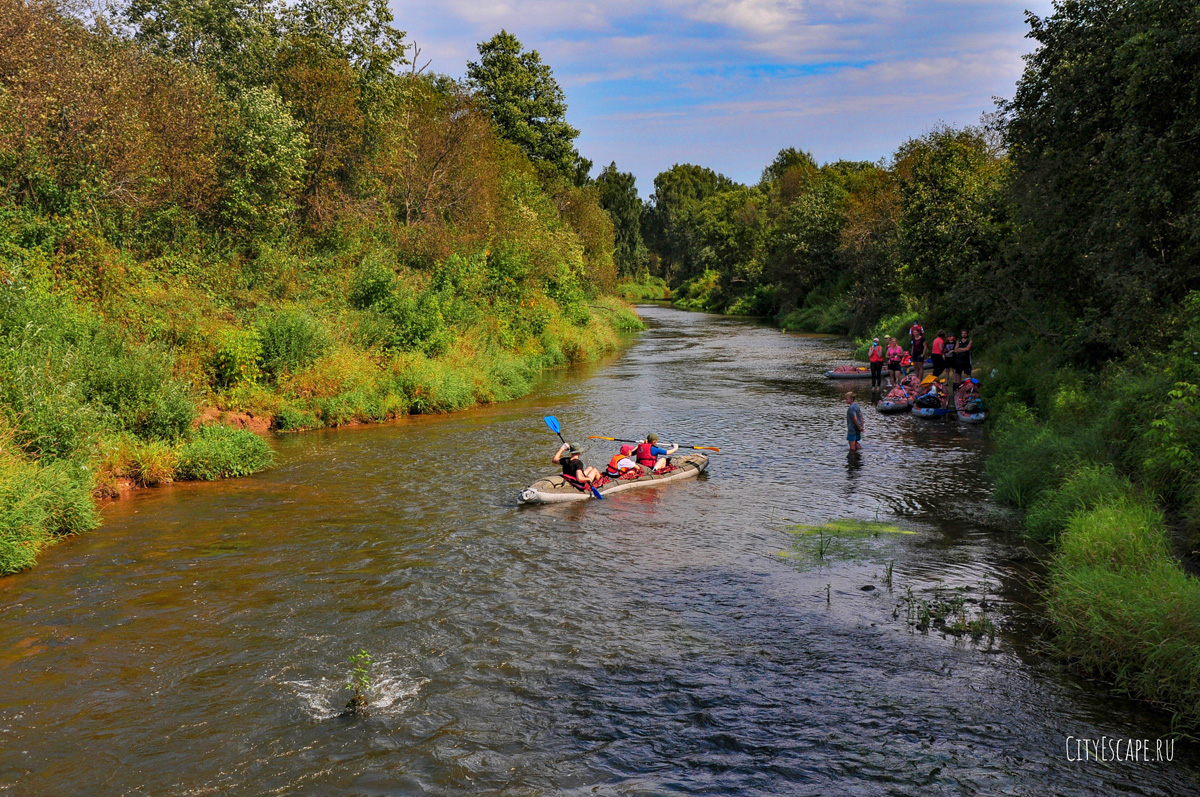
1103 132
619 196
670 222
526 104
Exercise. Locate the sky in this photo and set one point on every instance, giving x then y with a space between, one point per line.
728 83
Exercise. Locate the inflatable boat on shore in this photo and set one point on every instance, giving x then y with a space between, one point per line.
931 400
899 398
969 405
849 372
556 489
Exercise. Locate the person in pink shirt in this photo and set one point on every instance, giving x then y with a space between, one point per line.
894 355
939 353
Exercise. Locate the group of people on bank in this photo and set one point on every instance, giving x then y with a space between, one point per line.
947 354
638 459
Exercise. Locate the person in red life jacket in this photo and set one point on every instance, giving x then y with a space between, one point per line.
875 355
939 353
572 466
916 333
651 456
622 463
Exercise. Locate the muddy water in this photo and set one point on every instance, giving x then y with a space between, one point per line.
651 643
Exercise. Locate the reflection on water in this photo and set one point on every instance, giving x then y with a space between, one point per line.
651 643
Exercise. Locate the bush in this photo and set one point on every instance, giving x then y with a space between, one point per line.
148 463
219 452
291 339
371 285
238 358
267 152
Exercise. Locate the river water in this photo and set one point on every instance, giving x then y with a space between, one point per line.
680 640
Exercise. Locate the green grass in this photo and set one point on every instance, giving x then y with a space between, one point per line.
647 289
1124 610
219 452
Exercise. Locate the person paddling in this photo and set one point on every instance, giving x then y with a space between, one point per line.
651 456
572 466
875 355
622 463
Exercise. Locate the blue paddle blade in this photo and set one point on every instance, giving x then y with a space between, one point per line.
552 422
596 492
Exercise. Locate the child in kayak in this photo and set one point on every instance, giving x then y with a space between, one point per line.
572 466
622 463
651 456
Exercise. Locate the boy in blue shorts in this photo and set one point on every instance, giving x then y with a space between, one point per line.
854 422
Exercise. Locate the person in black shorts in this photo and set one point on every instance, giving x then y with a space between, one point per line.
939 353
572 465
916 334
962 358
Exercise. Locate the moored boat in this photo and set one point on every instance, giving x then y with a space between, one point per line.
968 403
849 372
899 398
931 400
555 489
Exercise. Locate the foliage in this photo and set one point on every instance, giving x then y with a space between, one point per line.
525 103
238 357
219 452
290 340
267 156
619 196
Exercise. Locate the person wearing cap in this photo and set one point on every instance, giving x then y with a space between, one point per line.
572 466
875 356
622 463
651 456
854 422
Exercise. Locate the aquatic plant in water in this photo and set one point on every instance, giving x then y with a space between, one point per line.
359 683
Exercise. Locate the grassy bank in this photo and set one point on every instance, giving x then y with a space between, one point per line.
97 393
1104 468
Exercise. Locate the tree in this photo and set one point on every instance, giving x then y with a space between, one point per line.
1102 131
619 196
526 104
669 224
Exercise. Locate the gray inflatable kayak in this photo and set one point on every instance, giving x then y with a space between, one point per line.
555 489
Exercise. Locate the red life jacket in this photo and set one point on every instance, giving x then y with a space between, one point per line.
612 469
644 457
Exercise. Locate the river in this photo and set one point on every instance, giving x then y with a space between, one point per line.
679 640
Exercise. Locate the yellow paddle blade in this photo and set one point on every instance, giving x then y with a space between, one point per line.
598 437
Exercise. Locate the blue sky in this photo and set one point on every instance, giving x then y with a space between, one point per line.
728 83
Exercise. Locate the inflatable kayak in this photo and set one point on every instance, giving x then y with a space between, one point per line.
968 404
555 489
931 400
900 398
849 372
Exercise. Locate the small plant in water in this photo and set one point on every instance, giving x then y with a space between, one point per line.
360 683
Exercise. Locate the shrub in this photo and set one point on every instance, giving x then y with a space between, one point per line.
219 452
293 419
238 357
291 339
136 388
372 284
267 152
149 463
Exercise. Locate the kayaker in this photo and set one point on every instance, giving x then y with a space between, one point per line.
622 463
854 422
651 456
875 356
962 359
916 334
894 355
572 466
938 354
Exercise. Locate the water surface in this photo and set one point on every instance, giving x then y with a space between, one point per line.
656 642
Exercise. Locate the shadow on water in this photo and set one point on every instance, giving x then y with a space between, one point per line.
671 640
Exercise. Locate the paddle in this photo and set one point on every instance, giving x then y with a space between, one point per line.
619 440
552 422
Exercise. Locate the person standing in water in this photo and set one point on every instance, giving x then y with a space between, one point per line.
916 334
854 422
939 354
875 356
